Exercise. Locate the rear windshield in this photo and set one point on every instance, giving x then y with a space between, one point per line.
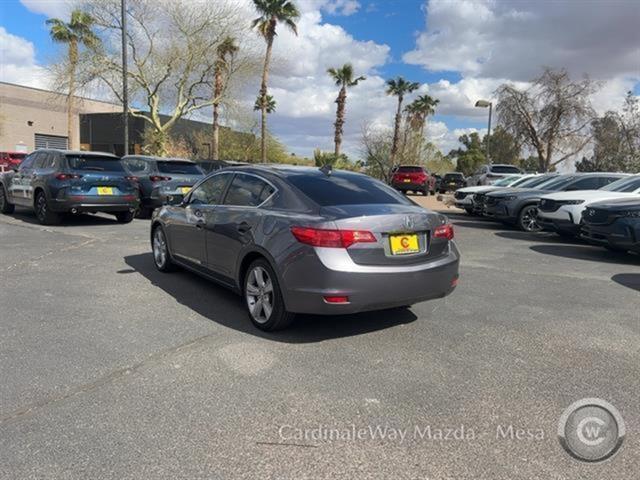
95 163
452 176
343 188
178 168
504 169
410 169
624 185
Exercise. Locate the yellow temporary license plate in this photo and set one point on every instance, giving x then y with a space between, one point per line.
105 190
185 189
406 180
404 244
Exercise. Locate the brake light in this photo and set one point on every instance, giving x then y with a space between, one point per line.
444 231
317 237
68 176
159 178
336 299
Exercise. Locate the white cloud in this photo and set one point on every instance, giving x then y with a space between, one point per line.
50 8
17 61
342 7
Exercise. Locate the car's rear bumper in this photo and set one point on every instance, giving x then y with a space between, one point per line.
404 186
308 280
95 204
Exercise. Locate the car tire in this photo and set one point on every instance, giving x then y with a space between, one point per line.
528 219
125 217
43 211
160 250
263 298
5 206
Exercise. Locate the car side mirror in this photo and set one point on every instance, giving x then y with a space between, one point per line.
175 200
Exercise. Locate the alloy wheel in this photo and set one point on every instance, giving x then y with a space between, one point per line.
259 294
529 219
41 207
159 248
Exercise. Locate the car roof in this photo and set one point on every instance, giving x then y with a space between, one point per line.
76 152
151 158
285 170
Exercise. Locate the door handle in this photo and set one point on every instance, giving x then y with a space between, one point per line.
243 228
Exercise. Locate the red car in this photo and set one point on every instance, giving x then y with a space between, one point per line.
413 178
11 160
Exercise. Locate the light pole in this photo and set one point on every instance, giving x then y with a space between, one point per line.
125 94
485 104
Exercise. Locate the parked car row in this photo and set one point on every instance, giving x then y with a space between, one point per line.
287 239
602 208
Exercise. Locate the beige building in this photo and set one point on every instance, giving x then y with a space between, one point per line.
32 118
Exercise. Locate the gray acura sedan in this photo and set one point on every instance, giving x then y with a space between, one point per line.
307 240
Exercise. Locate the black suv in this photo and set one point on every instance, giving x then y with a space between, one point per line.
54 182
614 224
452 181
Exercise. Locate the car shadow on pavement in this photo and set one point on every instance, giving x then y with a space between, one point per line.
222 306
587 252
629 280
79 220
540 237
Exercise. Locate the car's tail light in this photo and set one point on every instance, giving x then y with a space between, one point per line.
336 299
317 237
444 231
68 176
159 178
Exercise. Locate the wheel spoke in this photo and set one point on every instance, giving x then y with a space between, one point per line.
259 274
268 286
252 290
256 309
266 306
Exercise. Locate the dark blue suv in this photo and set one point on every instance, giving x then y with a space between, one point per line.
54 182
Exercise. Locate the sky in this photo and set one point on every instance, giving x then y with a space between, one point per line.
458 50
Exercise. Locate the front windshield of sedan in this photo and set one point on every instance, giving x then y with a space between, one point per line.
535 181
557 183
511 180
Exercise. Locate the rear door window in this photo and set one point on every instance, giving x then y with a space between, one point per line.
248 191
589 183
344 188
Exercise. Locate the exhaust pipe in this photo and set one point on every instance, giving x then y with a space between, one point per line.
74 210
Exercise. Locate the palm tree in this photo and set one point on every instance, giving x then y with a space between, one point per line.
270 104
399 87
75 33
271 12
344 78
225 52
417 113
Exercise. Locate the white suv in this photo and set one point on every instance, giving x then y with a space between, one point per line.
562 212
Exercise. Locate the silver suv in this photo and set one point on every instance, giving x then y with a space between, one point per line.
487 174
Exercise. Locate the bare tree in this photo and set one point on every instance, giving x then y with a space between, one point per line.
376 144
552 117
172 45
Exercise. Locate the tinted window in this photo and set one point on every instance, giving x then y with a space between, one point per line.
28 162
453 176
557 184
45 160
94 163
179 168
342 188
406 169
625 185
534 181
505 169
589 183
137 166
210 191
247 190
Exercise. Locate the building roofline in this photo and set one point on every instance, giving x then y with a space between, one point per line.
58 93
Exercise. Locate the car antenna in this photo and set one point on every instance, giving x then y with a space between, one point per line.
326 169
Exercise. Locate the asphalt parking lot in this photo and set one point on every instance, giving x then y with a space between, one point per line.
110 369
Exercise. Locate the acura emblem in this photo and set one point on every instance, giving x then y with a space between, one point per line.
408 223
